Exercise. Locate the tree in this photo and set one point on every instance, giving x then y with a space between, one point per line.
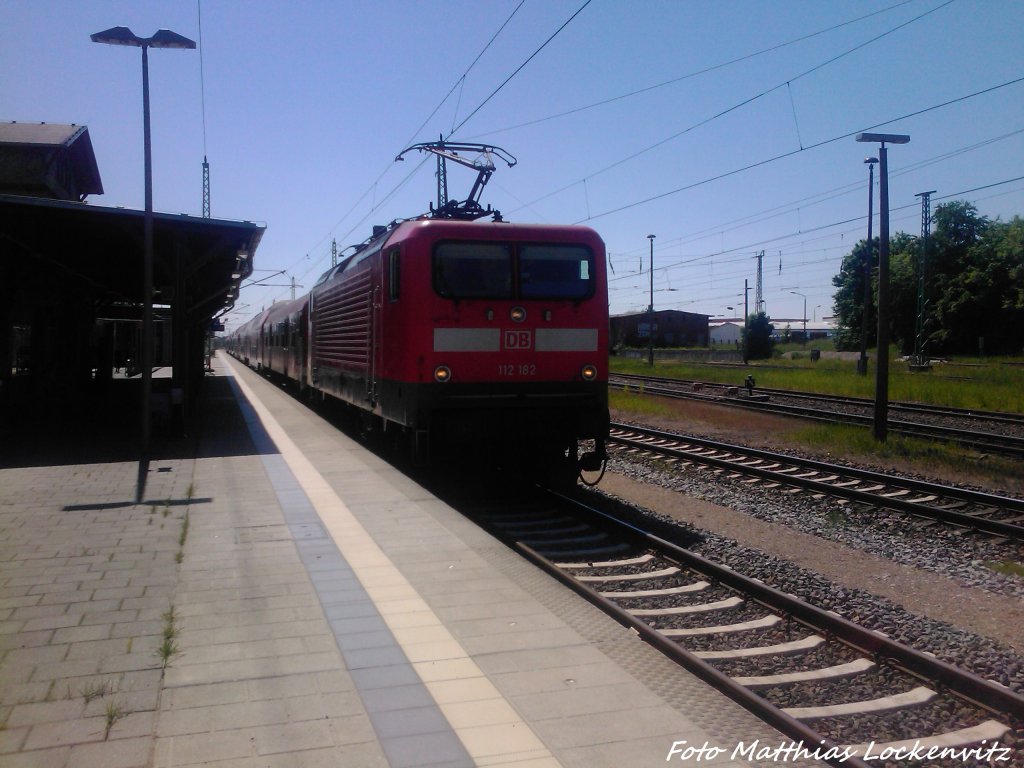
974 285
759 336
981 298
1010 249
848 300
904 252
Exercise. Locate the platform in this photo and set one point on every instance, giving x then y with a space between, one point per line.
282 597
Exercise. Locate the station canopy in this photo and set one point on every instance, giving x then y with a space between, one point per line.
71 275
53 244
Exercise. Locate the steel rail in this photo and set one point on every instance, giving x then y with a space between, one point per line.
940 410
984 693
987 441
996 527
745 697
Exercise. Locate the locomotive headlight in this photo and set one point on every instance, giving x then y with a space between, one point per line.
442 374
518 314
589 372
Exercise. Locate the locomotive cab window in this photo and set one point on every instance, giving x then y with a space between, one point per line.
464 270
473 270
555 272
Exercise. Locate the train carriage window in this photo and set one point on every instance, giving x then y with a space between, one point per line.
473 270
556 272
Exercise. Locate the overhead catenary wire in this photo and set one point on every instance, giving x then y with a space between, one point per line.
742 252
761 243
594 204
464 121
520 68
373 186
783 155
690 75
741 104
831 194
461 80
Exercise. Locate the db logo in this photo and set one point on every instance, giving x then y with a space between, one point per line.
517 339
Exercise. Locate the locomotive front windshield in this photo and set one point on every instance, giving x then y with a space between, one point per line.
503 271
473 270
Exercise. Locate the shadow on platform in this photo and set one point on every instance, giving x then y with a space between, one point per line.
102 425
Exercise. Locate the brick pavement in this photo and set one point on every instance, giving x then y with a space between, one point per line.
90 582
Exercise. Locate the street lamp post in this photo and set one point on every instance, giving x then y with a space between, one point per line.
164 38
862 363
650 311
880 427
746 322
804 342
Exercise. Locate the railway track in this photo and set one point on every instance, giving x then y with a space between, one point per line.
852 696
1000 516
984 431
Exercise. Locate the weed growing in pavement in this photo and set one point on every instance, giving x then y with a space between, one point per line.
168 648
181 540
184 531
170 618
114 713
97 690
166 651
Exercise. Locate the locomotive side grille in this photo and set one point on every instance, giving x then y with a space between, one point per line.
342 314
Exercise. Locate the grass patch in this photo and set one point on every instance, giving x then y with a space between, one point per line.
1005 567
633 401
938 459
989 385
848 439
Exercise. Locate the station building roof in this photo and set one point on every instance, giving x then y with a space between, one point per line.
48 160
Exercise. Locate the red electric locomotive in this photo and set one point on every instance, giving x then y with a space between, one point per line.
452 333
467 333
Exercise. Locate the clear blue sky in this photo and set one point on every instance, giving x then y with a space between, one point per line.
307 104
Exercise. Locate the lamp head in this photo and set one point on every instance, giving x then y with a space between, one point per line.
892 138
117 36
164 38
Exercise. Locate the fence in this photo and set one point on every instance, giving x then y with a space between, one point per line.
685 355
